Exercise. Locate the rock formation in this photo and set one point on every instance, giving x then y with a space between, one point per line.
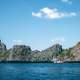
2 47
24 53
19 53
76 52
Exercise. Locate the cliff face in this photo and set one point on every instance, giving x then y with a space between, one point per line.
24 53
2 47
55 49
76 52
47 54
2 51
19 53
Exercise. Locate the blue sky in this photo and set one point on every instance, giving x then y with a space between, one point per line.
40 23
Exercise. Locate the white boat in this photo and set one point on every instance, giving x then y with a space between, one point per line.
55 60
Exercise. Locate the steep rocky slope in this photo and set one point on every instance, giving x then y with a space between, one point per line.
24 53
2 47
76 52
19 53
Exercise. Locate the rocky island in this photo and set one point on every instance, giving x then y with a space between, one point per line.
55 53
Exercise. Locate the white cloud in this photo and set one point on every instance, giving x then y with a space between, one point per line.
37 14
52 13
67 1
59 40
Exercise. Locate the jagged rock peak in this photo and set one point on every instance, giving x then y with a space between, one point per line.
23 49
20 46
56 47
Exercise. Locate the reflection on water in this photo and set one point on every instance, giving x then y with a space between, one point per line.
41 71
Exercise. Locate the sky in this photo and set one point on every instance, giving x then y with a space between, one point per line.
40 23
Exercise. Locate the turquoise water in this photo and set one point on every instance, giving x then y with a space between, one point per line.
39 71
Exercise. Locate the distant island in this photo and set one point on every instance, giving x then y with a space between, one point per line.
54 54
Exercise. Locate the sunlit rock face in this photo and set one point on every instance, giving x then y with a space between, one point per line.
76 51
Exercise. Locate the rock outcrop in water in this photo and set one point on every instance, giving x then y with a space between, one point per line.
24 53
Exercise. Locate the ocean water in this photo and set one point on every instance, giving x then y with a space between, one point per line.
39 71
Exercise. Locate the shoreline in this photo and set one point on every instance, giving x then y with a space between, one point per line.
38 62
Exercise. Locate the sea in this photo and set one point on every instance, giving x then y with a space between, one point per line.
39 71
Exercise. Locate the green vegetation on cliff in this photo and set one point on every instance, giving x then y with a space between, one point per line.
24 53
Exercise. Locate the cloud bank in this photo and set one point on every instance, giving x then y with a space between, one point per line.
52 13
